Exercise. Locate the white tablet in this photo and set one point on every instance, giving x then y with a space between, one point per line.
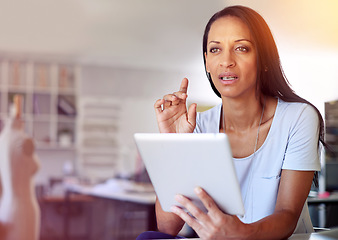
177 163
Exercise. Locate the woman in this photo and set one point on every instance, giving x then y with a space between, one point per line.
274 134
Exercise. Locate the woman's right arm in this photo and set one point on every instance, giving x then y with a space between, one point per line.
173 117
171 112
167 222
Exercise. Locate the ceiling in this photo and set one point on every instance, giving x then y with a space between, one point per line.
160 34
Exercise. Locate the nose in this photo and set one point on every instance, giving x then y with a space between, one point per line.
227 60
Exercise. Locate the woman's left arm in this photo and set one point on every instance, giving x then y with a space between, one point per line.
293 191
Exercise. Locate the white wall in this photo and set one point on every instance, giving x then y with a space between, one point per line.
313 75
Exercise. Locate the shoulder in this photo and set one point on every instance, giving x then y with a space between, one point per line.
294 106
208 121
296 112
210 113
300 123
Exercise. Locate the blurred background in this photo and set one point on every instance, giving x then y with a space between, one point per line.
90 72
166 35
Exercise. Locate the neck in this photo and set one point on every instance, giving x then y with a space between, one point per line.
241 115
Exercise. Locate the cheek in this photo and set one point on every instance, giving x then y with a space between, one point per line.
251 68
210 64
212 68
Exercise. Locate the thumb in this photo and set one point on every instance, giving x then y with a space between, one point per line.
192 114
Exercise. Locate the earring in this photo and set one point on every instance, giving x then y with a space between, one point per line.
266 69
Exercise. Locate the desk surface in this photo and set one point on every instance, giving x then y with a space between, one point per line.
117 189
332 198
324 235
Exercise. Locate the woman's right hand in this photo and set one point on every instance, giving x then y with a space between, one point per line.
171 112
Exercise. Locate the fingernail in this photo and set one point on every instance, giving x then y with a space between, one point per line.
198 190
178 197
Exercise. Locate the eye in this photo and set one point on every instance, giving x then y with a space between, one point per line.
214 50
242 49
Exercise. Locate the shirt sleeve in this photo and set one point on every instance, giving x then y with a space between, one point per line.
208 121
198 125
302 150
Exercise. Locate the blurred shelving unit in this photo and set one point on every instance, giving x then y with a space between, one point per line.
98 143
49 89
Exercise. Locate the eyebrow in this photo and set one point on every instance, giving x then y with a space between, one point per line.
238 40
243 39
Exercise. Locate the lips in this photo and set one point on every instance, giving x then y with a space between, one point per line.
228 78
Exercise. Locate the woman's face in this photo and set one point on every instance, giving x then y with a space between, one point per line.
231 57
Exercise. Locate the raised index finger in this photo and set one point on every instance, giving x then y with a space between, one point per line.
184 85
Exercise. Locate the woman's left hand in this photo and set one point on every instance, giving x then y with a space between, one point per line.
211 225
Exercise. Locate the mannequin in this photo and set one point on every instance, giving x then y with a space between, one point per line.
19 210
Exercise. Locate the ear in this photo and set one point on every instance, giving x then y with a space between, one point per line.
206 62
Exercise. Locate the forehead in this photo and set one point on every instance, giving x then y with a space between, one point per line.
229 27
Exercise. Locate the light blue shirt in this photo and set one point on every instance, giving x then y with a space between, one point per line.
292 143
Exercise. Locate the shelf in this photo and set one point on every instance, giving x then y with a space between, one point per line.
66 119
66 92
109 150
43 84
54 147
41 90
17 89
